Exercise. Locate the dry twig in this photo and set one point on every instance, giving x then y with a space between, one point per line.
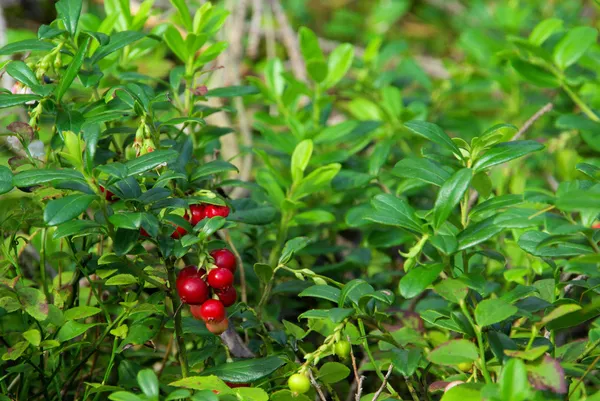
358 378
385 380
532 120
289 40
316 386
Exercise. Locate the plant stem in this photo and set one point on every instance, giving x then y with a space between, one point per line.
579 102
43 264
477 329
411 389
363 333
181 352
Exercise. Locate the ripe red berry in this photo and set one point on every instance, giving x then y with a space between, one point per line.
235 385
220 278
108 195
228 296
224 258
190 286
212 311
198 213
190 271
143 232
217 327
214 210
596 226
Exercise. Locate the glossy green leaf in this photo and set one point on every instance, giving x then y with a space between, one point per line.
69 12
42 176
333 372
418 279
322 291
33 337
150 160
544 30
64 209
118 41
7 100
300 159
450 195
232 91
535 75
148 382
453 352
338 64
6 180
389 210
72 71
421 169
247 370
28 45
318 180
491 311
574 45
72 329
504 152
452 290
81 312
432 133
406 361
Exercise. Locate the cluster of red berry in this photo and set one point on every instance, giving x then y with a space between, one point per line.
194 286
198 213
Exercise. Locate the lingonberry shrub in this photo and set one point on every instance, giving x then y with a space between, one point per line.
329 221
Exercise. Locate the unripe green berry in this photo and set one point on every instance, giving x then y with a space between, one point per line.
299 383
342 349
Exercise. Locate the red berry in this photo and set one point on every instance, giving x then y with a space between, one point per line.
212 311
143 232
190 286
214 210
217 327
190 271
228 296
220 278
108 195
198 213
224 258
596 226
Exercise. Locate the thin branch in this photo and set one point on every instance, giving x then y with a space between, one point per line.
316 386
385 380
532 120
254 33
289 40
358 378
240 263
234 342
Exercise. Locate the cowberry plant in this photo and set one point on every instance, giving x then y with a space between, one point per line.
385 232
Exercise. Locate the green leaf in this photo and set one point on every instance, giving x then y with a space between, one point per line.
544 30
148 382
69 75
122 279
578 200
316 181
335 133
232 91
406 361
336 315
491 311
309 45
33 336
530 240
69 11
64 209
77 227
291 247
213 167
393 211
548 374
322 291
22 73
478 233
15 352
184 12
150 160
338 64
432 133
506 151
496 203
574 45
333 372
418 279
535 75
421 169
247 370
34 302
176 43
529 355
450 195
248 212
559 311
274 78
264 272
464 392
127 220
72 329
453 352
118 41
212 383
81 312
124 396
41 176
300 159
452 290
28 45
7 100
6 180
354 291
